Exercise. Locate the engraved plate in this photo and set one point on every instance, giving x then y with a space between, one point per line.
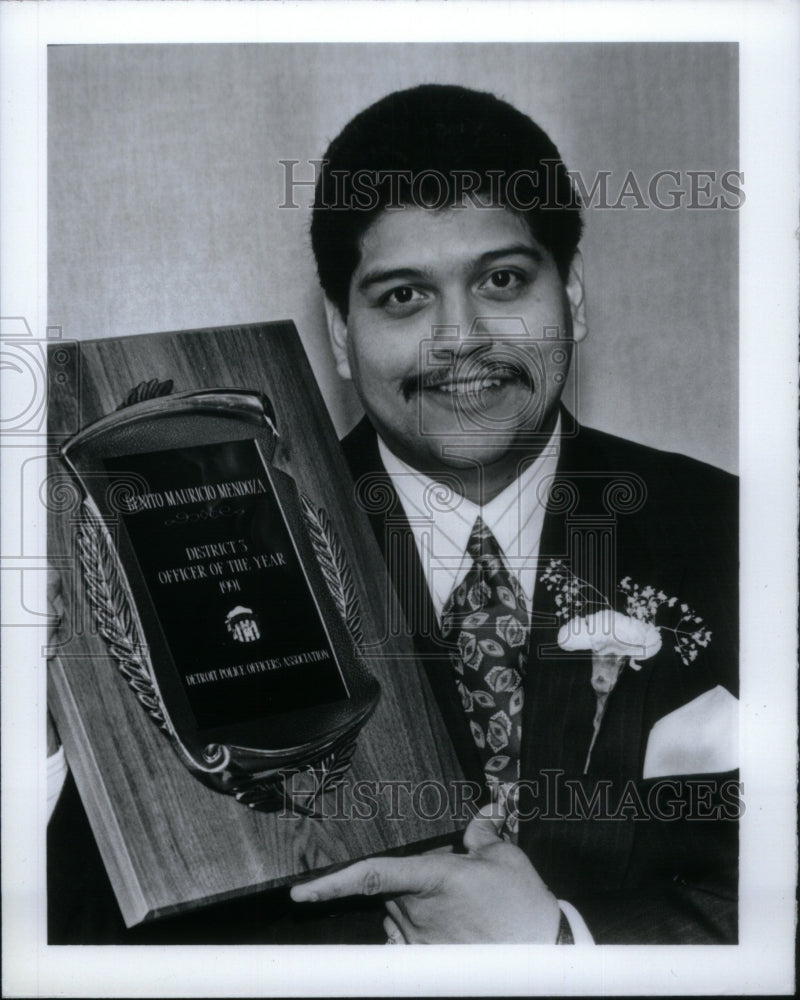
241 621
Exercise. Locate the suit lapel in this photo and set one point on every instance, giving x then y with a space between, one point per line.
434 651
560 702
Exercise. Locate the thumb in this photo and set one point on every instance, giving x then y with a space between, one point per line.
55 604
484 828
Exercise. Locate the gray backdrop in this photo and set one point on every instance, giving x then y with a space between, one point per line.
164 187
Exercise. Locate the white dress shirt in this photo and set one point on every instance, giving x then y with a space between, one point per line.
441 521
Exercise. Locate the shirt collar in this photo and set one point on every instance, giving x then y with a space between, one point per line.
441 519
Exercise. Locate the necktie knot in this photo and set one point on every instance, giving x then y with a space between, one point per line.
482 543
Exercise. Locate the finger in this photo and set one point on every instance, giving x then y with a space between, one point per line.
53 742
371 877
484 829
393 933
55 601
394 911
395 908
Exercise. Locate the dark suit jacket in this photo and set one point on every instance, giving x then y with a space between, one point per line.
617 509
673 523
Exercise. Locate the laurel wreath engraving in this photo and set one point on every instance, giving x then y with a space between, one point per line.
147 390
335 568
111 607
278 791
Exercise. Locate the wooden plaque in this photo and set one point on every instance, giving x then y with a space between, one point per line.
169 842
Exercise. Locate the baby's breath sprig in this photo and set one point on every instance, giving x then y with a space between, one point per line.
574 596
645 603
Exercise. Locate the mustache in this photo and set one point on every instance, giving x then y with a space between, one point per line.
472 369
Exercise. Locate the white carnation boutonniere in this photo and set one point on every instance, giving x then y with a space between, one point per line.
619 639
609 633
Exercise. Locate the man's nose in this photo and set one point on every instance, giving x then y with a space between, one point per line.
457 318
462 323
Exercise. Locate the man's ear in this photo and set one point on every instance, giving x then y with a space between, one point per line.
577 298
337 331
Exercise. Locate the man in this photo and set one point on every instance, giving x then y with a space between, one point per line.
445 231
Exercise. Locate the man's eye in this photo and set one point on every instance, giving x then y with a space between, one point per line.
504 281
401 297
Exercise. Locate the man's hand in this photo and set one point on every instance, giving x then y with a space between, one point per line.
492 894
55 614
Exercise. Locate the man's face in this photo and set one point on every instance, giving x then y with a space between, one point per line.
458 336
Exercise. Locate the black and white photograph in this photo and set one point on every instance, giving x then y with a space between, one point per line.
399 505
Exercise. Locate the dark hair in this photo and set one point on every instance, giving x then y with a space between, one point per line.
438 146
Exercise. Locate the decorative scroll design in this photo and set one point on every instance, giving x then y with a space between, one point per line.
558 495
443 494
147 390
60 494
219 512
374 493
622 492
625 494
335 568
111 607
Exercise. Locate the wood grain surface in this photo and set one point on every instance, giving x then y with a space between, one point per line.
168 842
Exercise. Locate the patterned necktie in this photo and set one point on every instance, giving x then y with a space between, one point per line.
487 617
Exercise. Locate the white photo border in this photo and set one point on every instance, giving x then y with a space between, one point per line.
763 962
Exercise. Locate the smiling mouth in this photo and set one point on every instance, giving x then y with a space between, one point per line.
474 386
475 380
